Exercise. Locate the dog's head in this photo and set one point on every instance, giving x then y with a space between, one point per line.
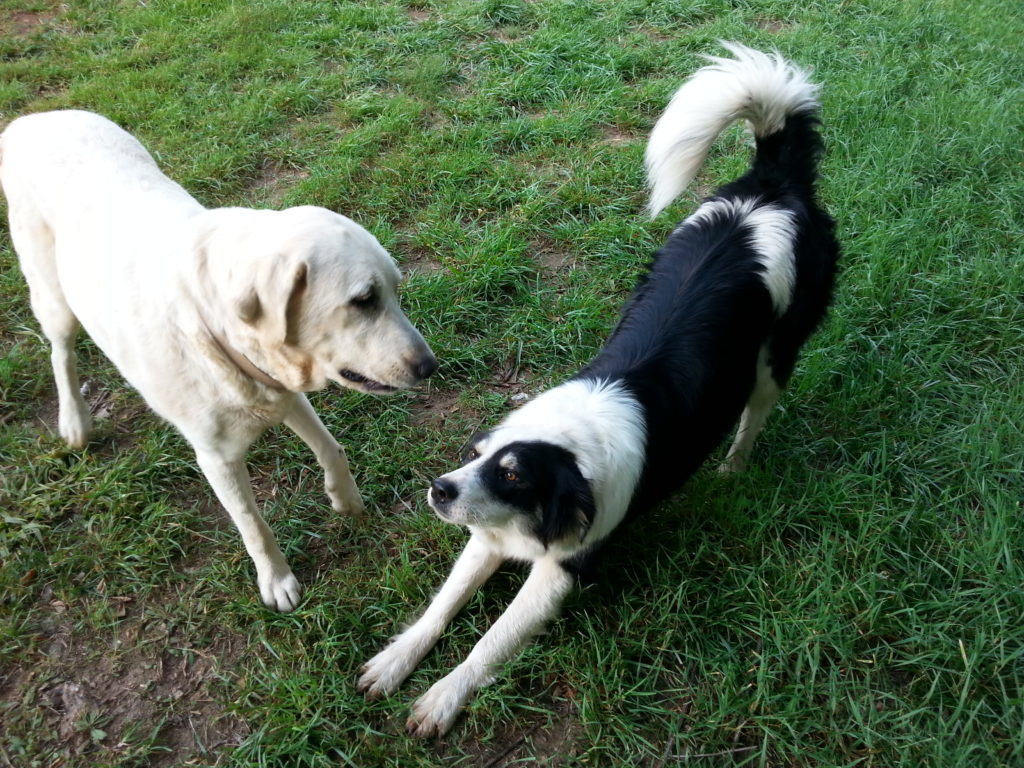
508 479
311 296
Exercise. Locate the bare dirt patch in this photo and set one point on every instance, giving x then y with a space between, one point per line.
45 420
614 136
419 15
542 114
519 384
652 33
551 742
27 23
702 188
552 260
769 24
503 35
139 690
417 260
509 375
274 181
116 417
435 408
119 416
557 261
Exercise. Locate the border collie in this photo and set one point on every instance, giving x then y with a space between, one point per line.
709 337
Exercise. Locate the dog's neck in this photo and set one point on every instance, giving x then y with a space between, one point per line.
244 364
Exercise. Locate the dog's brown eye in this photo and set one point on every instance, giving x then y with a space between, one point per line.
511 477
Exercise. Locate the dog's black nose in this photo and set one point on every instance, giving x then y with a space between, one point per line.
443 491
425 367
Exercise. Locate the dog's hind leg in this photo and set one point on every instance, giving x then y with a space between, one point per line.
759 405
230 481
34 244
338 482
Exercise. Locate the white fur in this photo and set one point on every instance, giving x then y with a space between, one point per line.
603 426
106 240
537 602
386 671
771 236
771 231
761 88
762 400
600 424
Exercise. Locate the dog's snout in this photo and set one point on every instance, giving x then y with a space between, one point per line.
443 491
424 366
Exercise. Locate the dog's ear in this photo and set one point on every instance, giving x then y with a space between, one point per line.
274 299
293 305
248 307
263 289
569 506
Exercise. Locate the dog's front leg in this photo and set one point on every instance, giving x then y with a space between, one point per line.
230 481
537 603
338 482
385 672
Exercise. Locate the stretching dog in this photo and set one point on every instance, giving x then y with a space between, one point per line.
220 318
710 336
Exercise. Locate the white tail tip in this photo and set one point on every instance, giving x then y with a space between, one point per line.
760 87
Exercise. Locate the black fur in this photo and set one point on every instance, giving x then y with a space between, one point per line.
469 452
688 341
548 487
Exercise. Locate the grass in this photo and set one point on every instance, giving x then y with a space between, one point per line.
855 598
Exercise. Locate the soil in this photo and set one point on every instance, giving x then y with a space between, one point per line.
93 697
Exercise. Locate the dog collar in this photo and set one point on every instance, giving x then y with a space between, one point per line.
244 364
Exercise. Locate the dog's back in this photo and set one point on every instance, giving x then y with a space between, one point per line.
97 227
88 203
72 155
739 286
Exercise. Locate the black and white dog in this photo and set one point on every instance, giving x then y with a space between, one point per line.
710 336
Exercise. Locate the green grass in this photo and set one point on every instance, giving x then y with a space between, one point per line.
855 598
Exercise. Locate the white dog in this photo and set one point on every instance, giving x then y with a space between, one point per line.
220 318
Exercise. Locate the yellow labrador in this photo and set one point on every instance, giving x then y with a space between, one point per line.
220 318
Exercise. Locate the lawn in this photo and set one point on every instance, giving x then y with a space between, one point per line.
854 598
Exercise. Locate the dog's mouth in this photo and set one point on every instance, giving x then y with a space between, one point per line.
365 382
445 516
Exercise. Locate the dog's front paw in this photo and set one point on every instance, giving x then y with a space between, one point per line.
280 591
733 464
349 505
345 498
387 670
74 424
436 710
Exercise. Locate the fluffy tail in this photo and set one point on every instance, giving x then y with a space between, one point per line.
764 89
